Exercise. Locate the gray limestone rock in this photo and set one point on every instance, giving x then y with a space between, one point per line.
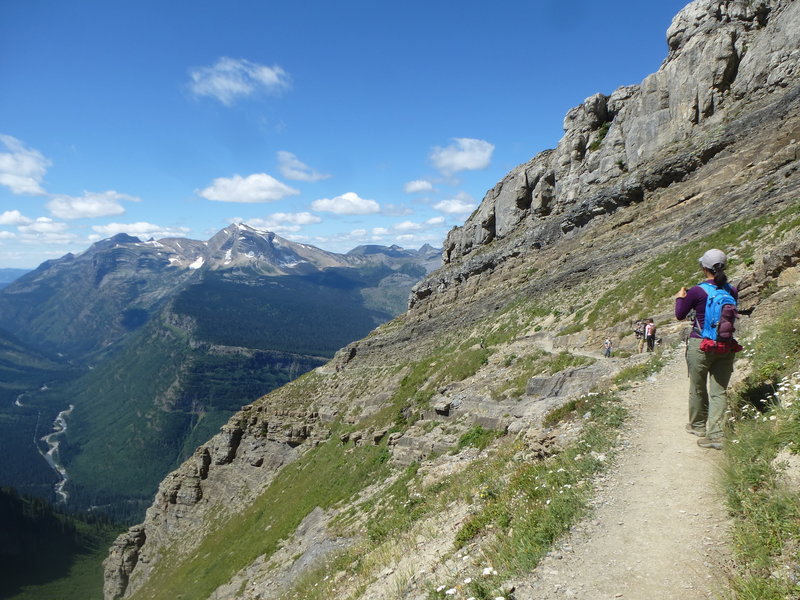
723 54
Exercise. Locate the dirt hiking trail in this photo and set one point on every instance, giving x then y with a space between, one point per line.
658 526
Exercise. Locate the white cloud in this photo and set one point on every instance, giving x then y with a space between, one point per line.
7 235
45 231
284 222
462 204
90 205
292 168
466 154
14 217
230 79
348 203
380 231
408 226
22 169
258 187
43 225
51 237
418 185
301 218
141 229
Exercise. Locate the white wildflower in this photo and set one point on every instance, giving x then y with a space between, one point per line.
468 580
450 592
440 588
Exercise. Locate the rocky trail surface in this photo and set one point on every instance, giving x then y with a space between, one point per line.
658 527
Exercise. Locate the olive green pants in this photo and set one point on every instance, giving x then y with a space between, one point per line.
707 405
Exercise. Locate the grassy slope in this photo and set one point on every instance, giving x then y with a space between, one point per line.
48 554
496 507
766 511
130 426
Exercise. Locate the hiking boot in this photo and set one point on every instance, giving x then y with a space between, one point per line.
693 431
705 442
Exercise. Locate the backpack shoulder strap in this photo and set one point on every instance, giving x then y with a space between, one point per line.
708 287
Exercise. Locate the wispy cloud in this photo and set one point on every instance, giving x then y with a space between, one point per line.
14 217
140 229
465 154
295 170
408 226
258 187
45 231
283 222
301 218
348 203
461 204
396 210
231 79
43 225
22 169
90 205
418 185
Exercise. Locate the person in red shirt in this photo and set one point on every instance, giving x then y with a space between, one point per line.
709 372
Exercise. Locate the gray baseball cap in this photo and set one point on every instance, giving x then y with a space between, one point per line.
713 257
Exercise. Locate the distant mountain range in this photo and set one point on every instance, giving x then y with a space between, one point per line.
9 275
157 343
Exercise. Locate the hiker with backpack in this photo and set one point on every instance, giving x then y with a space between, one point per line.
650 335
710 347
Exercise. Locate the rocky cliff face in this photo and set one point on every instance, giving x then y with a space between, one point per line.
640 177
725 60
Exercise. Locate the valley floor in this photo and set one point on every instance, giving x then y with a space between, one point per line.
658 529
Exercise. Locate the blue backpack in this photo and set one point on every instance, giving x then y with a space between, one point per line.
721 313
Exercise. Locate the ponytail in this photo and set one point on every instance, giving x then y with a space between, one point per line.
720 278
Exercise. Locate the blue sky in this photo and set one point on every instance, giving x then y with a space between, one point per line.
331 123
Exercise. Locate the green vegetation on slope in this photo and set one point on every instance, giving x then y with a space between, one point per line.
49 554
519 507
28 406
143 411
312 315
654 284
766 510
294 493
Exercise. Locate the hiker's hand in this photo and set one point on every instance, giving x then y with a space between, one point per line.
681 293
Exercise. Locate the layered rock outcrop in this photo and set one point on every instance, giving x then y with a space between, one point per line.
221 478
618 150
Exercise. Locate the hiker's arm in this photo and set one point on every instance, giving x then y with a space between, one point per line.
684 302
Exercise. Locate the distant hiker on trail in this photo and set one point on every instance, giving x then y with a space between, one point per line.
607 345
650 335
638 330
710 348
